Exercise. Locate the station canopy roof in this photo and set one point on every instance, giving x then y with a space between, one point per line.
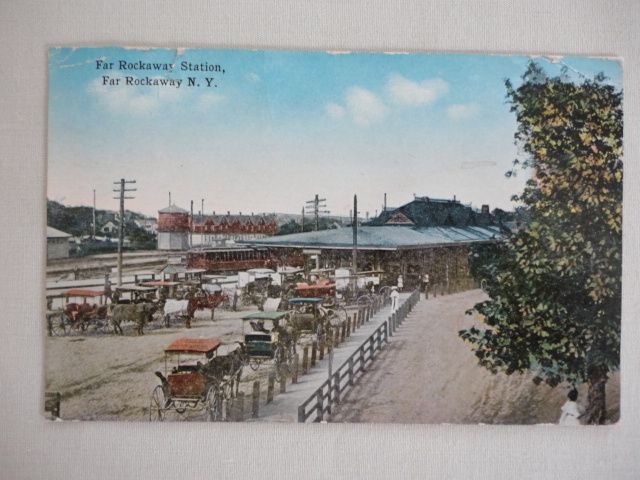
383 237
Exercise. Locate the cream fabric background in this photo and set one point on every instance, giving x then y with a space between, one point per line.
30 447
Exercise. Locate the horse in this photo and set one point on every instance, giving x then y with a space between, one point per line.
138 313
79 314
229 365
200 302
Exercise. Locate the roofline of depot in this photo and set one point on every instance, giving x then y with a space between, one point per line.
369 247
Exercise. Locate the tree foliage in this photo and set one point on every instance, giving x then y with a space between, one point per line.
555 285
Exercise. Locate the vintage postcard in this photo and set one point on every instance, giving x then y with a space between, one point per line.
275 236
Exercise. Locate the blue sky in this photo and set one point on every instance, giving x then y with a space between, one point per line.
282 126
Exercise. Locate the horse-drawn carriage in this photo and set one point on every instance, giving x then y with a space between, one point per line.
269 337
310 315
79 317
203 379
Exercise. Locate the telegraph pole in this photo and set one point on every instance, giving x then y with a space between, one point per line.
202 222
122 190
302 219
314 208
94 214
191 227
354 255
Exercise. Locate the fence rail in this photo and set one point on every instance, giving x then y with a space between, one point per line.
330 392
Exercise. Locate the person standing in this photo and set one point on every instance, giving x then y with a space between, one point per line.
400 282
395 296
571 411
236 295
107 288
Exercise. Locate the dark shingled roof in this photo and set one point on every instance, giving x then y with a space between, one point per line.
433 212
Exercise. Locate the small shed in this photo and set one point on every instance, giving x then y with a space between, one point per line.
57 244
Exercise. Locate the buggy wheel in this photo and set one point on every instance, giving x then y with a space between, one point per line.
102 325
215 405
157 405
57 325
226 390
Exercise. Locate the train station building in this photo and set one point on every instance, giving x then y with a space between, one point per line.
424 236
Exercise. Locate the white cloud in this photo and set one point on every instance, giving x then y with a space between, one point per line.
253 77
334 110
462 111
403 91
130 99
364 106
208 100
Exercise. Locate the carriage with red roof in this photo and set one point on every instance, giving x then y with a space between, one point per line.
80 314
202 378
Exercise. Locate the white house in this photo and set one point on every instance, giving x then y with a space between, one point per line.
109 228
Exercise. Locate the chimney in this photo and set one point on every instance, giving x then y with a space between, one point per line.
484 209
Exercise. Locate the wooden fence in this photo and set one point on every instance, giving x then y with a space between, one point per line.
319 404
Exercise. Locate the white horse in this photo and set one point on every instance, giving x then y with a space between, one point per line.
174 308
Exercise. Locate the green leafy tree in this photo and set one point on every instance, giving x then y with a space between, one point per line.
555 285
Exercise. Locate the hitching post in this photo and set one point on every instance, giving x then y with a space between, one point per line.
255 400
270 384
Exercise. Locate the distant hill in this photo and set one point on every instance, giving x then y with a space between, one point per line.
78 221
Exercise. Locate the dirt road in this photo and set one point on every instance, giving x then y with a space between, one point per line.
109 377
428 375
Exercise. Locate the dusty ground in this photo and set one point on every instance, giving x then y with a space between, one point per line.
428 375
108 377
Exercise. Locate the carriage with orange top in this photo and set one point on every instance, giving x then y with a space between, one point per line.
201 379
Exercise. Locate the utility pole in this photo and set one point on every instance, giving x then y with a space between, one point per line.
122 191
169 198
384 207
94 214
314 208
354 255
191 227
202 222
302 220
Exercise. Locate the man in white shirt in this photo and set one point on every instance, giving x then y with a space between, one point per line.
394 299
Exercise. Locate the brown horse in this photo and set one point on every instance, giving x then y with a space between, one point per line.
200 302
